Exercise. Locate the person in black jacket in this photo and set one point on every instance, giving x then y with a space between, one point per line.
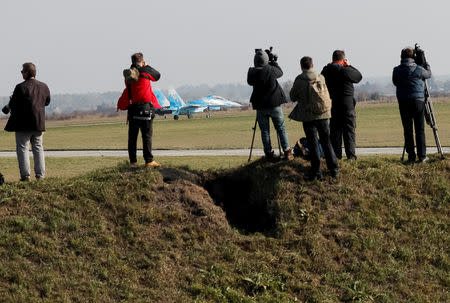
266 98
27 120
409 78
340 77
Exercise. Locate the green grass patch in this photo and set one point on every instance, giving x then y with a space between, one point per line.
377 125
379 233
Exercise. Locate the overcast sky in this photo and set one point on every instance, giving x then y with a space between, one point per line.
83 46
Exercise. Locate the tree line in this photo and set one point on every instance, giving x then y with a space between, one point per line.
65 105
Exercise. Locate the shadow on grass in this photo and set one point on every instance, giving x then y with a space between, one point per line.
248 194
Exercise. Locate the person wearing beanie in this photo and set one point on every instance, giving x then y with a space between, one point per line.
266 98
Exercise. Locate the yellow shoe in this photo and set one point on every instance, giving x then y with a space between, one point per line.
152 164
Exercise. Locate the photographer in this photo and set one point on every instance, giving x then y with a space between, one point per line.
340 77
409 78
314 117
141 110
266 98
27 120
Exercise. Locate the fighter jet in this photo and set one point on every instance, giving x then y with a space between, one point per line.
208 103
163 102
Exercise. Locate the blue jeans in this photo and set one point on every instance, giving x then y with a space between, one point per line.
276 113
23 139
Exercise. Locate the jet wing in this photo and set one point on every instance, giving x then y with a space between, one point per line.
220 101
191 109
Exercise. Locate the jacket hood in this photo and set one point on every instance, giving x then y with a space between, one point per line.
408 62
308 75
334 66
261 59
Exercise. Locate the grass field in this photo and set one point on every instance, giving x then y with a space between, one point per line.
377 125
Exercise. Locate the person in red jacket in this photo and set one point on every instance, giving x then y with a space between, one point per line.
141 110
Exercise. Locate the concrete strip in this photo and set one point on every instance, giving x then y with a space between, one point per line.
204 152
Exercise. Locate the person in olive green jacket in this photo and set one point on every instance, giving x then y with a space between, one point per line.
314 117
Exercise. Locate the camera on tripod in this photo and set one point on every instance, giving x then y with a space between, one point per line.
419 56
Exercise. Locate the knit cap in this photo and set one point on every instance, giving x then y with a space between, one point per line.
261 59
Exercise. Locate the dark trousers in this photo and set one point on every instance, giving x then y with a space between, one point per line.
342 126
311 129
412 113
146 127
137 115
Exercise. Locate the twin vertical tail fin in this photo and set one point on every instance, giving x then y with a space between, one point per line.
175 100
162 100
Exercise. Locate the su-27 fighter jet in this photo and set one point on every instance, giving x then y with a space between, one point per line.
163 102
178 107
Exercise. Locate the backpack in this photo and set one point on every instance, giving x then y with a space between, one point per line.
2 180
131 75
301 149
320 98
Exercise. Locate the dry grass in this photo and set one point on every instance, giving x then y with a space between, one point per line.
377 234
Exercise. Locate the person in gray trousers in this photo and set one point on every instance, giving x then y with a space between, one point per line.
27 120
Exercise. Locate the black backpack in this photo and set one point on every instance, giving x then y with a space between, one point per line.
2 180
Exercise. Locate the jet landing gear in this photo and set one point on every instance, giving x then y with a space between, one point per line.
176 117
189 116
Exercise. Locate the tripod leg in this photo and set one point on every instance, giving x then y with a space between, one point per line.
403 154
253 140
279 144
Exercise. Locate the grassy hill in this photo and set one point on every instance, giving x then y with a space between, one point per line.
256 233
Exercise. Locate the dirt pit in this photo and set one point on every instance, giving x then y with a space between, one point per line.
246 195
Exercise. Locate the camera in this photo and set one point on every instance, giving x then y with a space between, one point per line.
6 109
419 56
272 57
